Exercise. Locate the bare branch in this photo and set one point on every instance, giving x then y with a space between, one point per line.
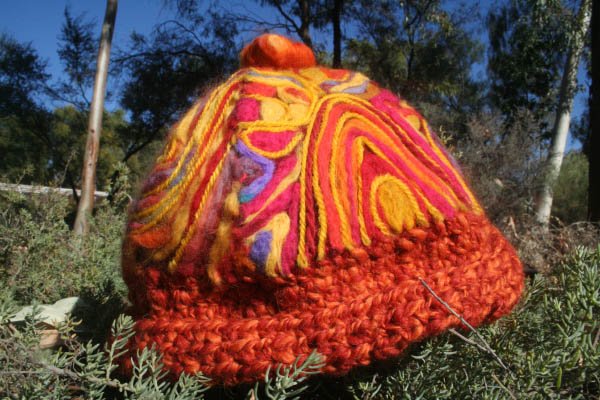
137 147
486 347
185 29
507 390
63 372
286 16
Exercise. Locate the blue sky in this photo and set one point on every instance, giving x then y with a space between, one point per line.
39 22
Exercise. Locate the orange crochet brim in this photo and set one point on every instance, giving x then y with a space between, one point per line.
353 308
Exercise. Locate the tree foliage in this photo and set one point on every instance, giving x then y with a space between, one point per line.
422 51
41 145
166 70
77 51
427 51
571 189
528 40
23 119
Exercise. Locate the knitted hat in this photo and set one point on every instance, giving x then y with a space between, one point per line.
298 207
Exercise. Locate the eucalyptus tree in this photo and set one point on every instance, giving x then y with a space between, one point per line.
563 111
535 48
88 173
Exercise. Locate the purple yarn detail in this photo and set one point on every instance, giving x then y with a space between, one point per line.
261 248
251 191
357 89
352 90
285 78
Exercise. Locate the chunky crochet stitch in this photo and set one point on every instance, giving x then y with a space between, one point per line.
299 207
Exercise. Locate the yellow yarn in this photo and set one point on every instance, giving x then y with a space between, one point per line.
173 195
357 80
272 109
173 263
476 207
290 98
348 242
221 245
200 133
289 111
399 206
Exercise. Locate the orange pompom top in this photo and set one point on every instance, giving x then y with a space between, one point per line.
277 52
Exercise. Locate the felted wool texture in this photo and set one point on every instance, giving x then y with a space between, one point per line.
297 208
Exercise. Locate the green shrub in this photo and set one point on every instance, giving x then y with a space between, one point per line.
42 261
84 370
571 189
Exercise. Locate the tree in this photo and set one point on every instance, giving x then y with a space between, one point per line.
24 122
303 9
66 131
300 15
336 24
422 52
527 42
45 146
563 113
88 174
594 140
167 70
77 53
295 17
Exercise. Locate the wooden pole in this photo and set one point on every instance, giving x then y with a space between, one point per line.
90 158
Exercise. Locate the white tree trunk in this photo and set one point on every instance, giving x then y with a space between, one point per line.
88 173
563 114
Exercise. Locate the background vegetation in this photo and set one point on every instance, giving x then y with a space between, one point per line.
547 348
491 95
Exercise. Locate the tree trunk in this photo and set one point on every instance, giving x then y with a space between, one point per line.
304 31
336 14
88 173
563 115
594 143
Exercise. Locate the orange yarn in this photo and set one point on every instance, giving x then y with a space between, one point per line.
353 308
299 209
277 52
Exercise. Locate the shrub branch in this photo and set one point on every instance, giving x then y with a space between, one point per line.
484 345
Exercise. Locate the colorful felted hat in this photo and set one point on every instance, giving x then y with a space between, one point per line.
300 208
